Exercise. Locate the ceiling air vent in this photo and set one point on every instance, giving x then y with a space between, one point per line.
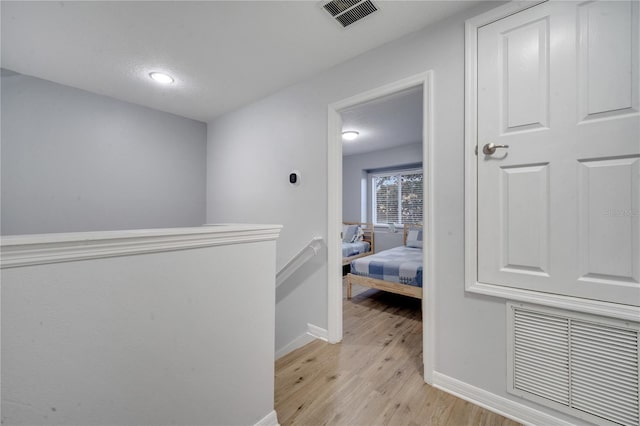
349 11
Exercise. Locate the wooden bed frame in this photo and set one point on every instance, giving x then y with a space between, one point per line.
367 228
391 287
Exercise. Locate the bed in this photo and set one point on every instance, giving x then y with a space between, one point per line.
397 270
357 241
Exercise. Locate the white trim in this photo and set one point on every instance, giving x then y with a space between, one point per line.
595 307
429 290
492 402
471 244
24 250
317 332
334 225
334 210
313 333
296 343
270 419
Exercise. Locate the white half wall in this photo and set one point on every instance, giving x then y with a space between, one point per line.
160 327
354 170
251 151
77 161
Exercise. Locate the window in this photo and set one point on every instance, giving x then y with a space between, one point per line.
397 197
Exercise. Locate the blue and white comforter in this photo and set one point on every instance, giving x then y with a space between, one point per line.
400 264
351 249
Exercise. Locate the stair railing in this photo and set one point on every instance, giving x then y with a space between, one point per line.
302 257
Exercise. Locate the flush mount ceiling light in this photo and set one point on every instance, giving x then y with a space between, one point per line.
350 135
161 77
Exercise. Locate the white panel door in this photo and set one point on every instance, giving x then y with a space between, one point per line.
559 209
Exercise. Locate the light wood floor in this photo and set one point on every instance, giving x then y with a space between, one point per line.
373 377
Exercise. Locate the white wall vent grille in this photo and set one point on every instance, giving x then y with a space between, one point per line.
346 12
580 364
541 355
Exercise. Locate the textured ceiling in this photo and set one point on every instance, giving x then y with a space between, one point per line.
223 54
391 121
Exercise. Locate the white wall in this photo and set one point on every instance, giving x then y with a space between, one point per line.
250 154
158 337
354 170
76 161
251 151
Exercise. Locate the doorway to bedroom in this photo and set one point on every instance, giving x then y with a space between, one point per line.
379 195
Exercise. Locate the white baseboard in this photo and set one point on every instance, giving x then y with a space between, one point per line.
298 342
503 406
313 332
317 332
270 419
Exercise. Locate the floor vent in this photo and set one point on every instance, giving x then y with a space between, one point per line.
583 365
346 12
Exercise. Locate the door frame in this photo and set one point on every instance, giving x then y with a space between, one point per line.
334 210
472 284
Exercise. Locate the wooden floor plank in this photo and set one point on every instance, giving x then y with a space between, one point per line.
374 377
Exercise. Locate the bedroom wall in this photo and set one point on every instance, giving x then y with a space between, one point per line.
354 170
256 146
77 161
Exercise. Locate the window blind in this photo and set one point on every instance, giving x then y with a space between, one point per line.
397 197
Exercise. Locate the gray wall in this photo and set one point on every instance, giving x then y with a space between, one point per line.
354 170
258 145
76 161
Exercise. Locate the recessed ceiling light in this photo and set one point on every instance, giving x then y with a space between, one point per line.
161 77
350 135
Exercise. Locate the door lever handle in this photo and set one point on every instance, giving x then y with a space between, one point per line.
490 148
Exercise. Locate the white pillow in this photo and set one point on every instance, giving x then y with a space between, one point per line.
414 238
349 233
359 235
